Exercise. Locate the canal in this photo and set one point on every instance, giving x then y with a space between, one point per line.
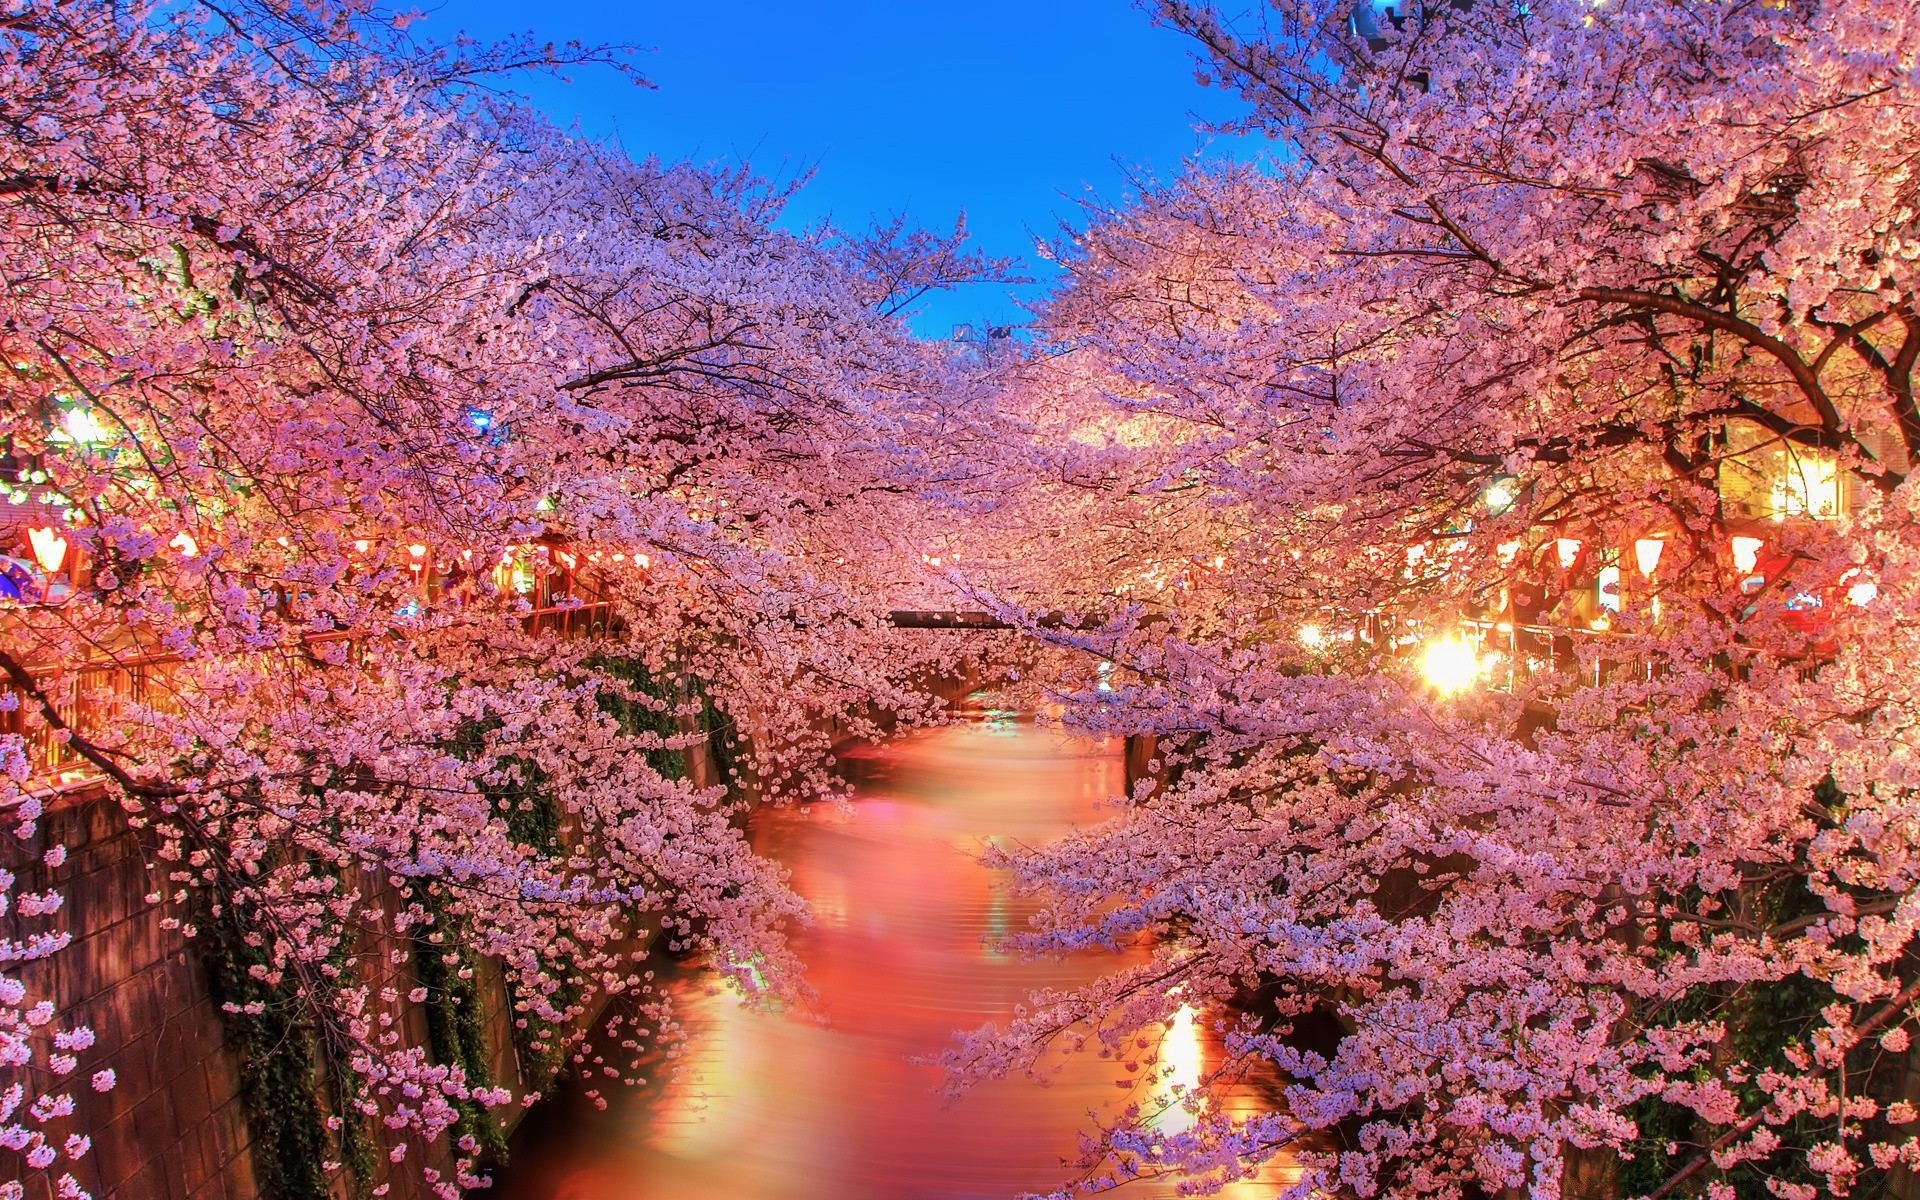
832 1105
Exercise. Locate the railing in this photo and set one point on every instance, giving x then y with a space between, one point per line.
571 621
1527 650
85 698
88 696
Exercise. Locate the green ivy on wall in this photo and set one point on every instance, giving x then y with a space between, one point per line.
278 1056
724 745
285 1091
455 1033
637 718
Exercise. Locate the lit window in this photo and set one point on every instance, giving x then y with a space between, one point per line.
1805 484
1766 478
1607 588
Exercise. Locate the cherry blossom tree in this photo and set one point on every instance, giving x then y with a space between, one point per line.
314 341
1497 505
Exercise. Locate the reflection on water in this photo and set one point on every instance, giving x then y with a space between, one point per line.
770 1106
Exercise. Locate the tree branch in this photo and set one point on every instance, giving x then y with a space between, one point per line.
1679 306
1758 1117
29 687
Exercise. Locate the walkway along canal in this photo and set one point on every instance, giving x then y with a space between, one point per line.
780 1106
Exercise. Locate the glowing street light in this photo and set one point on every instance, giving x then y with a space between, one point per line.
1450 665
1746 552
1312 637
82 426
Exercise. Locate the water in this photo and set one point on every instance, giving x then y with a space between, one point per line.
778 1106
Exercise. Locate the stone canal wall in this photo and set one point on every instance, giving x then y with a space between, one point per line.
174 1128
180 1124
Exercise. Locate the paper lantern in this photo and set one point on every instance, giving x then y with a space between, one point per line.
1646 552
49 548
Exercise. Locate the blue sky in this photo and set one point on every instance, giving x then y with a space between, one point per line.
1011 111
